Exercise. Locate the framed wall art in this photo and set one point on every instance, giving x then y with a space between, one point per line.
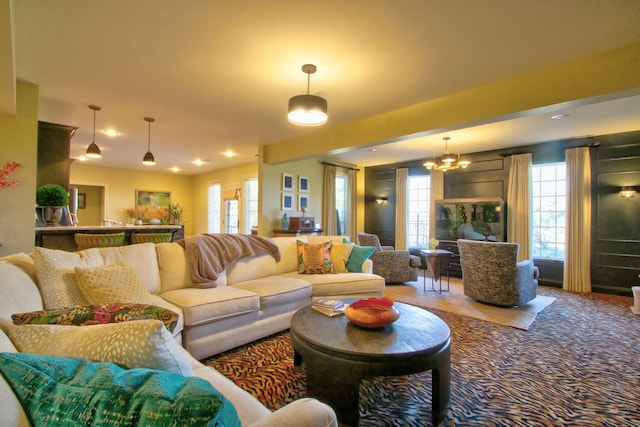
152 205
303 184
287 182
287 201
303 202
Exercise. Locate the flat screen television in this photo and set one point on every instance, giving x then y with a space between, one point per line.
474 219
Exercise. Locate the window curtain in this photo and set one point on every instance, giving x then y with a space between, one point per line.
436 192
351 222
577 263
402 174
329 201
519 204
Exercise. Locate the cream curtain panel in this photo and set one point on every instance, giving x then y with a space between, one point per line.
402 174
351 222
329 201
436 192
519 204
577 263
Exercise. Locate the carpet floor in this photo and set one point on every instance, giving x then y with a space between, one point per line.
577 365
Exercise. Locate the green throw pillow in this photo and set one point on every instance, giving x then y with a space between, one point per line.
359 254
64 391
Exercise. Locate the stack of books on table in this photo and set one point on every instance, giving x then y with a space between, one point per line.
329 307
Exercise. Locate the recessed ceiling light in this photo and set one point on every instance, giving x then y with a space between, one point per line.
175 169
229 153
373 150
559 116
111 132
199 162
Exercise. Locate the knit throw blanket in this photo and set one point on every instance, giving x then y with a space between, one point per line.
210 254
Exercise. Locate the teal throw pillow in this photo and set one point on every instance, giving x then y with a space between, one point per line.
359 254
65 391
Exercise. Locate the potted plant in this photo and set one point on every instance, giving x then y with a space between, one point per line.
51 199
175 213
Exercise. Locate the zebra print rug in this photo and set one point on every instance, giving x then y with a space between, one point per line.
578 365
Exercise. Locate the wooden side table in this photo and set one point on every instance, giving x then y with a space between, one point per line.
438 262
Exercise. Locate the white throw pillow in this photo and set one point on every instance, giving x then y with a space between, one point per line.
137 344
112 283
56 277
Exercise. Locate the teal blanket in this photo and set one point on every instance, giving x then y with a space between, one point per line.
61 391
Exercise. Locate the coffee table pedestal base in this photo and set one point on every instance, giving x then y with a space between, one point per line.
335 379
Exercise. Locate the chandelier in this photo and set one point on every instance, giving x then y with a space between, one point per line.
448 161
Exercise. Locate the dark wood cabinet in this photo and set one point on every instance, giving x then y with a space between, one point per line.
455 269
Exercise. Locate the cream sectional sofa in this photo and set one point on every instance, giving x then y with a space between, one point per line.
255 297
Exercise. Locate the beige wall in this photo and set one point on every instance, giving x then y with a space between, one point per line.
271 193
121 185
19 143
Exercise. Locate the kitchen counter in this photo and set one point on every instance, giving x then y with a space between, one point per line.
62 237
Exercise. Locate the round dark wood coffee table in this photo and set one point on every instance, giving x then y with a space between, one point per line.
339 354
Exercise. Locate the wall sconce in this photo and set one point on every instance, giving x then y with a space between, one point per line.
627 191
381 200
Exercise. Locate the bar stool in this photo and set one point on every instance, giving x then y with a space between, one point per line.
151 237
86 241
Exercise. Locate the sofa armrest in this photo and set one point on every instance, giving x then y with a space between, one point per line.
367 266
387 248
305 412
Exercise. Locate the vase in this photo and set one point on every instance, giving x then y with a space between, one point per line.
50 215
284 223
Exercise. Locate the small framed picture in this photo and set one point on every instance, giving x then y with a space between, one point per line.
287 182
82 200
303 202
303 184
287 201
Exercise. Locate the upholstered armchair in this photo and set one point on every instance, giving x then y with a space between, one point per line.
396 266
491 273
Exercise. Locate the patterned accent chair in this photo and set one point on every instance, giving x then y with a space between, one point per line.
396 266
490 273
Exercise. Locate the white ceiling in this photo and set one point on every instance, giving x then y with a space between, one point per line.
217 75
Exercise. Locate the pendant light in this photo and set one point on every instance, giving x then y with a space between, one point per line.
148 157
93 150
308 110
448 161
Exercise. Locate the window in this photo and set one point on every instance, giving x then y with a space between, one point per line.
250 205
549 204
232 220
214 207
341 202
418 188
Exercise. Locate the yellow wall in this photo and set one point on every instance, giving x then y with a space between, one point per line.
91 214
121 185
19 143
230 177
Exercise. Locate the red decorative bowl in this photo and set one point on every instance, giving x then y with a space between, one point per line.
372 318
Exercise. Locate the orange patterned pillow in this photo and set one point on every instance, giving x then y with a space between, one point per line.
314 259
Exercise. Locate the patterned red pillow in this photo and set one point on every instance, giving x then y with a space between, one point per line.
96 314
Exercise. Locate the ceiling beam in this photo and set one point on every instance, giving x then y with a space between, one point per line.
586 80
